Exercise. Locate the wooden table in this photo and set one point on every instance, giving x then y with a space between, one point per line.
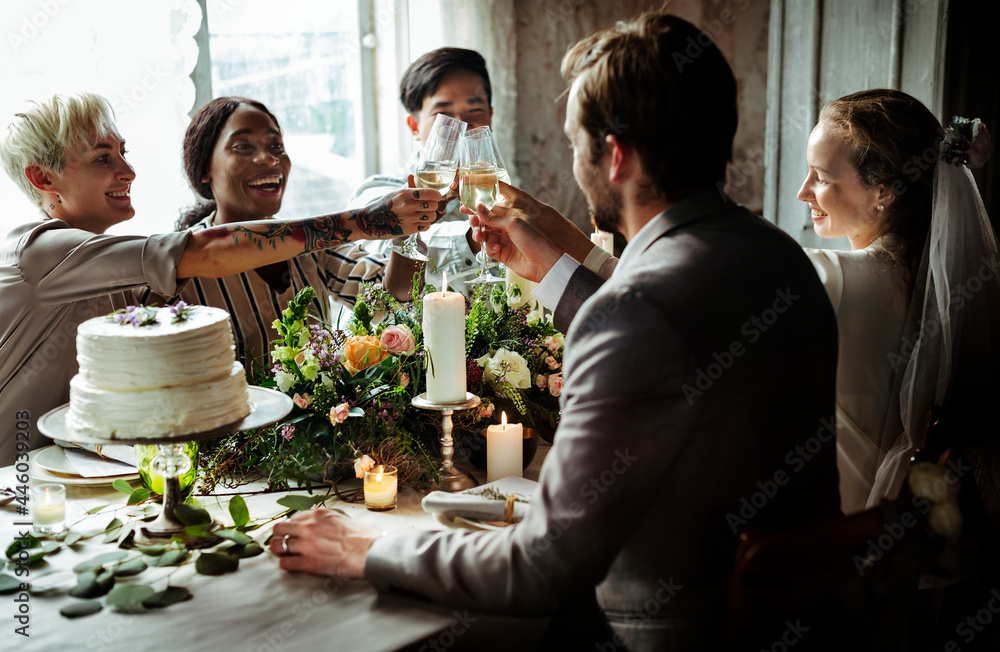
259 607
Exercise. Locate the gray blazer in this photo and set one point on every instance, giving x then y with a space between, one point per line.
698 400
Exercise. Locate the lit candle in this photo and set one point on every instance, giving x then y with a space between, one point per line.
380 488
504 448
604 240
444 341
48 507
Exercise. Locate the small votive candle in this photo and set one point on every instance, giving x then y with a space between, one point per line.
380 488
504 449
48 507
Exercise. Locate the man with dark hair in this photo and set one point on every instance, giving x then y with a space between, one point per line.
455 82
713 343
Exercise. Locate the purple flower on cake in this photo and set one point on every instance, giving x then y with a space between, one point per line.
134 316
181 311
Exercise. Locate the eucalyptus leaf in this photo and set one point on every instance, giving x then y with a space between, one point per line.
51 546
195 531
215 563
80 609
93 585
301 503
130 567
140 495
174 557
192 515
100 560
165 598
235 536
153 551
9 584
112 531
238 510
94 510
122 486
128 597
243 551
72 538
24 543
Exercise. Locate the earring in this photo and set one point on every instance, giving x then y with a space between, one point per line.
880 207
59 199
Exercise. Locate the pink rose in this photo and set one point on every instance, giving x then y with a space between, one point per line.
485 410
552 344
555 384
302 400
541 381
364 464
398 339
404 379
552 363
338 413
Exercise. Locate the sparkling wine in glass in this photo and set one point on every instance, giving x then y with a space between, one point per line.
436 170
478 184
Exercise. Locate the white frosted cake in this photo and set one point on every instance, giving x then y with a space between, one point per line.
153 372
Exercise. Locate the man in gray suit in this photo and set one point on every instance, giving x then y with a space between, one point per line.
699 380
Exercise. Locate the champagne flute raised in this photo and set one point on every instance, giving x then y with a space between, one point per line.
436 170
478 184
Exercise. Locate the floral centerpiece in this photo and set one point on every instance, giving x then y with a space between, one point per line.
352 388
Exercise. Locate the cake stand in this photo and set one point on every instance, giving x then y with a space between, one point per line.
266 407
452 479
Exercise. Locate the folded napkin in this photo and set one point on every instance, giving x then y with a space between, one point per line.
99 460
470 504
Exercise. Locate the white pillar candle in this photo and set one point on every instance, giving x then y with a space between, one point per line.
380 488
444 341
527 287
504 449
604 240
48 507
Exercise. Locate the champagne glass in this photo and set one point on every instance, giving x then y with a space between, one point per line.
478 184
502 173
436 170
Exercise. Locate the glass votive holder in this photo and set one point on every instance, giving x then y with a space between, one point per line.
48 507
381 488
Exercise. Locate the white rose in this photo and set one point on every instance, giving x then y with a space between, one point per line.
512 368
946 519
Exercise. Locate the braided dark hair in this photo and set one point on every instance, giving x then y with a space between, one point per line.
199 143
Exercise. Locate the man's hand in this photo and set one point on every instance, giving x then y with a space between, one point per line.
510 238
323 542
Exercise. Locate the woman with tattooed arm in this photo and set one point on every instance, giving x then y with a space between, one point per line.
236 162
67 156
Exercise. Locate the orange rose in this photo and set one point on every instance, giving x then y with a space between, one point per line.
363 351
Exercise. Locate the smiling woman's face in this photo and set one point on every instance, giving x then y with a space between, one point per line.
249 167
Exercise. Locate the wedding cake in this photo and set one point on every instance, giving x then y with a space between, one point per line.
152 372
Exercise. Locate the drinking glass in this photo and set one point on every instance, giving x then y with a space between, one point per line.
436 170
478 184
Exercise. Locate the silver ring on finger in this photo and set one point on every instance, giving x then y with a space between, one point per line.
284 544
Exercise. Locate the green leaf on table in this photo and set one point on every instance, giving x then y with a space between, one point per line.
152 551
238 510
9 584
130 567
50 546
23 543
80 609
93 585
112 531
72 538
215 563
122 486
301 503
240 551
174 557
129 597
168 596
140 495
94 510
194 532
192 515
100 560
234 535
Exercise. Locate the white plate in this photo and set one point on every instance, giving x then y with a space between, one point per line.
49 464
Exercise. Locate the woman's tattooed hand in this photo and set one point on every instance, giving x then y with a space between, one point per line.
378 221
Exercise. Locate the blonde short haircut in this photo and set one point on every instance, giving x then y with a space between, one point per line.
41 134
